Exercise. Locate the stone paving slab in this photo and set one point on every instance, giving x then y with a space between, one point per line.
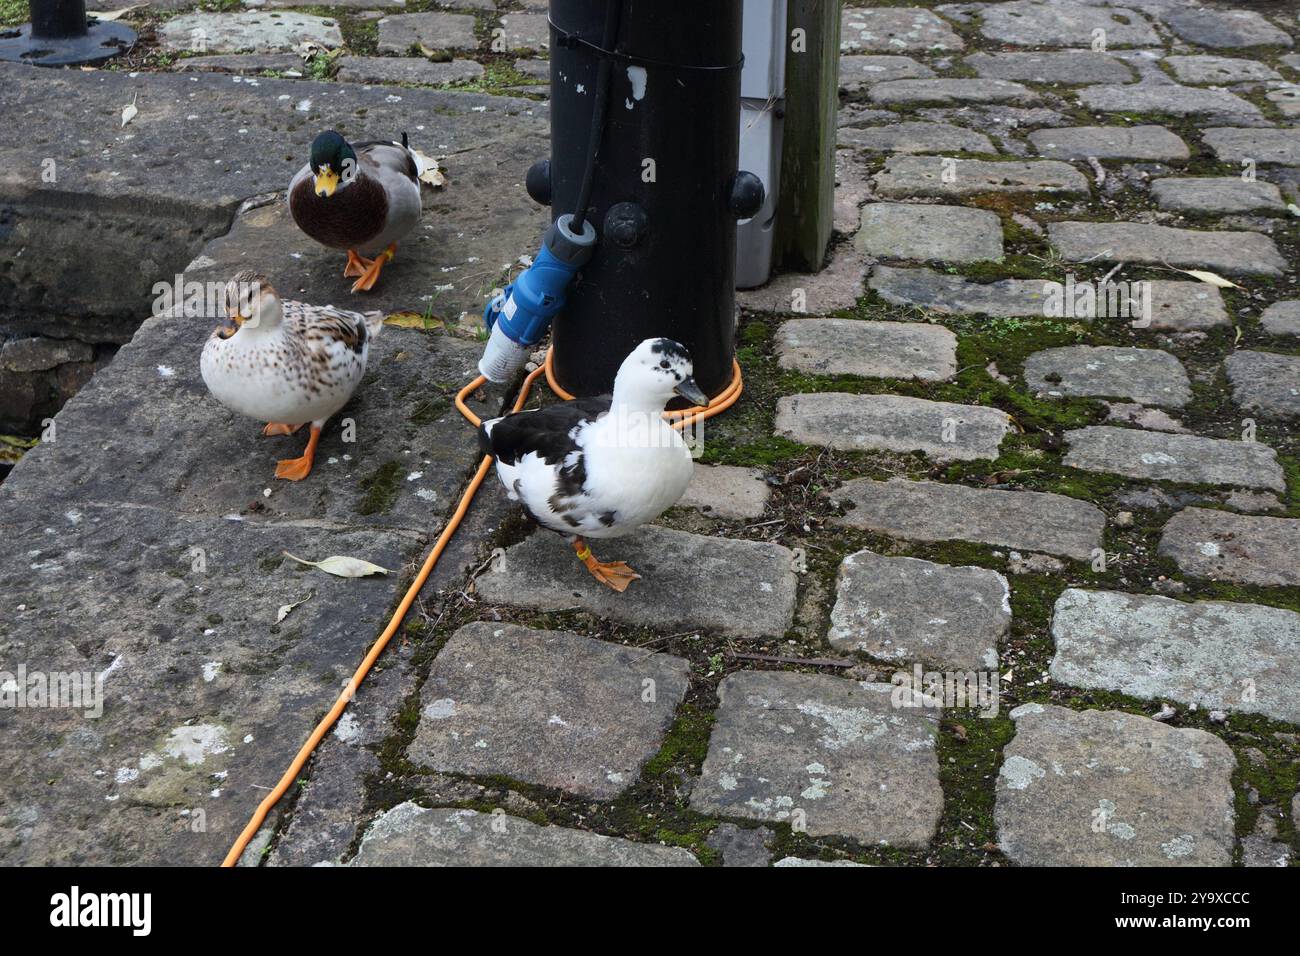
894 30
1105 788
1216 654
912 137
905 177
871 349
750 593
1057 66
1245 549
838 286
943 431
1153 143
905 610
1217 194
833 754
1233 144
526 31
1163 457
411 835
398 33
1282 318
1026 23
1219 69
953 295
727 491
1166 98
254 32
1235 252
798 861
1225 29
934 511
244 64
945 91
406 69
929 233
1266 382
859 72
546 707
1149 376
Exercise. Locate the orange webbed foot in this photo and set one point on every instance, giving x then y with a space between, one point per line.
278 428
376 265
296 469
614 574
357 265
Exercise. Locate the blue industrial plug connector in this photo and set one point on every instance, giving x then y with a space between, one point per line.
521 314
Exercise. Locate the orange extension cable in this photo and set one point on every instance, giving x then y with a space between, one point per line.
725 400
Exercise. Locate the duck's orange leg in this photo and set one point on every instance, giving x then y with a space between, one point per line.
615 574
371 275
278 428
296 469
357 265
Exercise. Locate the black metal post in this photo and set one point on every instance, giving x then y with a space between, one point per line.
60 34
666 193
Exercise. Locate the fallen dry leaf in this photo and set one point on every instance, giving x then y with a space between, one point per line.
286 608
128 112
342 566
1210 277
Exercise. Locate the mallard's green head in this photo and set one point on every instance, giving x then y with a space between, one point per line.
333 162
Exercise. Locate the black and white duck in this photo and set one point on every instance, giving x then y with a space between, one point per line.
285 363
601 467
361 198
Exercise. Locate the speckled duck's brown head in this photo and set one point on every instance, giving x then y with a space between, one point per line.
249 301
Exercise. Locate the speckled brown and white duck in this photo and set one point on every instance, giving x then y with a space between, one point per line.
286 363
362 199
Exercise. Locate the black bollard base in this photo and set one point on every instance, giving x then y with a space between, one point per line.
102 42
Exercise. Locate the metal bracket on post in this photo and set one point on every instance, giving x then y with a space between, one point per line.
60 34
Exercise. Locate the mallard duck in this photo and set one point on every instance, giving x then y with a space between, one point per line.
284 362
600 467
361 198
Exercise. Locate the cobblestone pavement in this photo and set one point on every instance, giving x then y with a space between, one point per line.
1031 433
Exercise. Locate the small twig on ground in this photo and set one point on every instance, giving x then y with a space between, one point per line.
809 661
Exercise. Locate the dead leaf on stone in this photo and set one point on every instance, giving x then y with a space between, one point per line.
110 15
342 566
429 172
1211 278
128 112
286 608
413 320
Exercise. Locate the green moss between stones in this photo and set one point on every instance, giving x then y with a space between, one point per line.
380 489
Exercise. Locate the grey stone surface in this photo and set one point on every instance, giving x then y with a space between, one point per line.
152 217
1164 457
1143 417
933 511
1232 144
405 69
253 31
1234 252
437 31
838 286
953 295
1245 549
741 846
870 349
244 64
859 72
1225 29
835 754
950 91
892 423
1186 306
1055 66
411 835
913 137
1263 846
789 861
1105 788
894 30
1219 69
905 177
1216 194
1286 98
38 353
546 707
1265 382
727 491
525 31
537 69
1154 143
1216 654
751 589
929 233
1282 318
905 610
1149 376
1026 23
1162 97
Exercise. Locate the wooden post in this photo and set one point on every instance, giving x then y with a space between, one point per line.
806 206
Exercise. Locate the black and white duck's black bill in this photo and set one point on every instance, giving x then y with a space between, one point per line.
689 390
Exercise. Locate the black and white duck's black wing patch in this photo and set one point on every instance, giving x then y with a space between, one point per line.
548 432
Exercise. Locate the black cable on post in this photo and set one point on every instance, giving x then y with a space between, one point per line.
604 69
